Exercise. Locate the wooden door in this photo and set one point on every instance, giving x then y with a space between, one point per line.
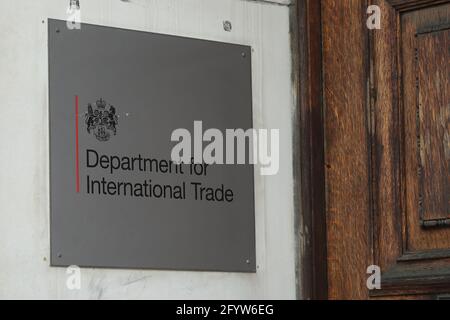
387 147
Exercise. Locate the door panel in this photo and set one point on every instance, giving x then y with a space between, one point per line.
433 68
414 254
425 64
387 147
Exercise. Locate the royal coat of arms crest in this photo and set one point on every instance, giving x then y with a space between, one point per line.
102 121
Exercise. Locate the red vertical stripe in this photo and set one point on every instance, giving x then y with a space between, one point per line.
77 154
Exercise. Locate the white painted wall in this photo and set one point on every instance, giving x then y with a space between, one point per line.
24 187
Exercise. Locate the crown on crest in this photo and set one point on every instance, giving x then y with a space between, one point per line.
101 104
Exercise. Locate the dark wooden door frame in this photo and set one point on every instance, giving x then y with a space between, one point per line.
309 165
322 152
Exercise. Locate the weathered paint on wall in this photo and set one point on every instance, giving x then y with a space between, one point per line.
24 187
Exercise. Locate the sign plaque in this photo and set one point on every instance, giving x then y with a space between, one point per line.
116 198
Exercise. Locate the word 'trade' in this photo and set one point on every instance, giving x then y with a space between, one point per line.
235 139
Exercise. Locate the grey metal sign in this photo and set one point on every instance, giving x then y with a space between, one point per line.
117 200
